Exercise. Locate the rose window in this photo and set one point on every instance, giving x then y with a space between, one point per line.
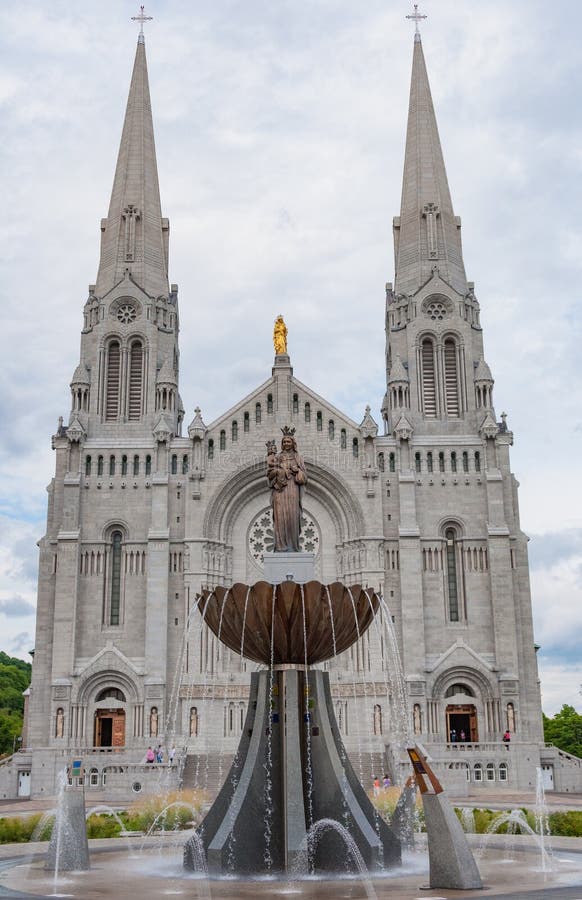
436 310
126 313
262 536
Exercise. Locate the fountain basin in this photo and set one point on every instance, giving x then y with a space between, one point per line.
288 623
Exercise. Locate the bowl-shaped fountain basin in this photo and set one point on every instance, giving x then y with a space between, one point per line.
299 624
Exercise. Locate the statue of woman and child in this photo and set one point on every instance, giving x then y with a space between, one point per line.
287 476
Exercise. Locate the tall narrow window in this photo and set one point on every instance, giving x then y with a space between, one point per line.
136 465
331 429
124 465
477 461
453 461
148 465
112 381
451 378
441 461
392 462
222 440
343 439
100 465
115 578
174 469
355 448
319 420
258 413
87 465
269 403
135 381
417 462
429 461
295 404
185 464
450 537
234 431
112 465
210 449
465 461
246 422
308 412
428 378
381 464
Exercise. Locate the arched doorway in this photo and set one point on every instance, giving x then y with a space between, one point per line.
462 723
109 729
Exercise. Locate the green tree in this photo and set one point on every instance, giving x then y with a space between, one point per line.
14 679
565 730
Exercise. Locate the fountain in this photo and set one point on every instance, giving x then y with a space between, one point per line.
291 770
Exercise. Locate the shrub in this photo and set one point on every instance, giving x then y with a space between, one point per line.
102 826
19 830
566 824
148 813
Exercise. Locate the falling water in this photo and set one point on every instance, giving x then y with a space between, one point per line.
516 819
302 866
468 819
269 760
543 821
62 780
307 717
356 704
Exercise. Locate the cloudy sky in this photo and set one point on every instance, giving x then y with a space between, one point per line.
280 137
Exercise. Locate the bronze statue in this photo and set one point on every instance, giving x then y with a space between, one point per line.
286 475
280 335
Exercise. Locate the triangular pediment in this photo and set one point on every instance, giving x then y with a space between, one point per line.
436 284
460 654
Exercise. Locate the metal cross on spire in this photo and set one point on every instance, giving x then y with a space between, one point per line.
141 18
416 17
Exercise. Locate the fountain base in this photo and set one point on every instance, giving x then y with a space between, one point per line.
68 849
290 771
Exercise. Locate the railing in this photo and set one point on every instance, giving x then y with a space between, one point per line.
560 752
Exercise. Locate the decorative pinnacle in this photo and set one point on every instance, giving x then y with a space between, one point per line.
416 17
141 18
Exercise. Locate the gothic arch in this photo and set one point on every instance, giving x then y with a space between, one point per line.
91 685
479 681
324 485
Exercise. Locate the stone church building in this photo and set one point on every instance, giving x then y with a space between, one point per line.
149 504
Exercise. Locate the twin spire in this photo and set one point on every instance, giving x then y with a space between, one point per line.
427 234
135 235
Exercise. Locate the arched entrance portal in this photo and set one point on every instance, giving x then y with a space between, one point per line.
109 728
462 722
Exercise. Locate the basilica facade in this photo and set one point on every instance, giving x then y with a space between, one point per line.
149 505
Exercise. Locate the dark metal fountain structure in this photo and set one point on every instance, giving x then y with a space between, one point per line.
291 769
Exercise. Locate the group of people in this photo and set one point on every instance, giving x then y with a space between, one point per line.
157 755
386 783
462 737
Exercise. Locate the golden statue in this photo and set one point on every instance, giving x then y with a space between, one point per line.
280 336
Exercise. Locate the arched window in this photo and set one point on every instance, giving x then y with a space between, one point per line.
429 465
331 429
258 413
136 465
110 693
452 582
185 464
246 422
465 461
112 381
87 465
148 465
355 448
417 462
174 467
478 772
269 403
381 464
295 404
459 689
193 721
135 381
154 721
308 412
115 604
124 465
428 378
319 420
453 461
210 449
100 465
451 378
112 465
222 443
60 723
392 461
502 771
441 462
490 772
343 439
234 431
477 461
93 777
377 719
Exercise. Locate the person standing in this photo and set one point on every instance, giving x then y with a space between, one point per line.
376 786
171 755
506 738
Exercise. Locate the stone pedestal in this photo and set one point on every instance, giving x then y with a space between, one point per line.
452 865
291 770
68 848
297 567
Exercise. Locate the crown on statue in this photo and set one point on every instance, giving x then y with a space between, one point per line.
288 430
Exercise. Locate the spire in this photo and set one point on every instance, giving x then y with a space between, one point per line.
134 234
427 234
